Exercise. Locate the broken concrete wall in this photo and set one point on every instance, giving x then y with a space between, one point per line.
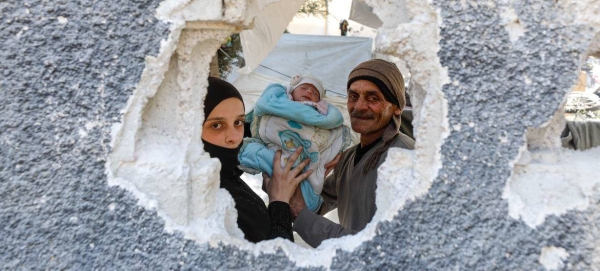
90 90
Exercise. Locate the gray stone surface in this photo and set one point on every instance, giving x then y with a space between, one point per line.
463 222
56 211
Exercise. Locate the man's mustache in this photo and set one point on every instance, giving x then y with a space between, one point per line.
362 114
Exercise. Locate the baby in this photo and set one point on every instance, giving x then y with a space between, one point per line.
286 117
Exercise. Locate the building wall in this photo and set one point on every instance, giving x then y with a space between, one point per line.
477 194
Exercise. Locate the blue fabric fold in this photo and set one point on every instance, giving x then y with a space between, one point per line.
312 200
263 160
274 101
255 155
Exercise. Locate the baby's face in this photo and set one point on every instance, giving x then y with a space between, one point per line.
306 92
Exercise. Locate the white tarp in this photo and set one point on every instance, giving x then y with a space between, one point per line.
268 27
329 58
362 13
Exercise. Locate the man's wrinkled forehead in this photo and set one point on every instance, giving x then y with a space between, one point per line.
371 85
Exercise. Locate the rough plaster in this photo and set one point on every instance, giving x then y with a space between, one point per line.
512 24
406 175
157 153
548 179
69 69
552 182
552 257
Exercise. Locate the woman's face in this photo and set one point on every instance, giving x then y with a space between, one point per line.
224 126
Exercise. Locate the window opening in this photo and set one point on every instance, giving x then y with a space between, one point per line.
157 152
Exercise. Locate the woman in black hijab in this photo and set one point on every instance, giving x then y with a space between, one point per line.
222 134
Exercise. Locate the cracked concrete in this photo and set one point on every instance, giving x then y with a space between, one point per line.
77 74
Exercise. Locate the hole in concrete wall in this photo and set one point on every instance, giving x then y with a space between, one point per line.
158 155
157 152
552 174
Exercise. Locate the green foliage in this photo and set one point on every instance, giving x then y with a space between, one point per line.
229 55
314 7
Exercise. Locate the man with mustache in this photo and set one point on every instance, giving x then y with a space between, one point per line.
375 102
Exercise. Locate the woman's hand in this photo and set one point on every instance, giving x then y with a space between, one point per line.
282 185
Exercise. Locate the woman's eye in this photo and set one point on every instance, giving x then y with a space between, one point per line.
238 122
216 125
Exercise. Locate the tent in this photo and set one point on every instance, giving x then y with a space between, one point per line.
329 58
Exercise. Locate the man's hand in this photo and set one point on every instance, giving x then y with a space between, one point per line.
297 203
329 166
282 185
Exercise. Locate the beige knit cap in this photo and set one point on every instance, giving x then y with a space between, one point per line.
389 76
389 80
300 79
